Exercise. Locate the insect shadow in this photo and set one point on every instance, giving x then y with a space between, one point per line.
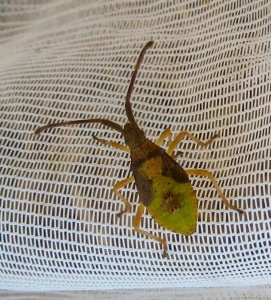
162 184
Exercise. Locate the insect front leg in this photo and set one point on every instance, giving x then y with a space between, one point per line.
116 188
212 178
112 144
184 134
137 221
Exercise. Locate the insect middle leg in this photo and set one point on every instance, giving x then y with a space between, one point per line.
116 188
166 133
137 221
212 178
122 183
184 134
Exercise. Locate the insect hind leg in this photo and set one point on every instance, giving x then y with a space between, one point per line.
137 220
212 178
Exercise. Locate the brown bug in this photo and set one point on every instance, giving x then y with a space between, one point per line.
162 184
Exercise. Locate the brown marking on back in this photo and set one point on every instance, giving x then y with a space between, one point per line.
169 203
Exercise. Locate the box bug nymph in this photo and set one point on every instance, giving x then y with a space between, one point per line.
162 184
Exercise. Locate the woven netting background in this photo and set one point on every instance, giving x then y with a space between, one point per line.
208 72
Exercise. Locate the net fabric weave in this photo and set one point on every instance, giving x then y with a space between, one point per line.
208 73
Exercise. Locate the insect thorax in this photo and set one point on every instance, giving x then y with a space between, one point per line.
134 137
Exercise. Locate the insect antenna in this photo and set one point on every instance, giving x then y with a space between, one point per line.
105 122
128 107
108 123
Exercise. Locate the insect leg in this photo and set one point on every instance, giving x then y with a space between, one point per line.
137 221
112 144
184 134
212 178
166 133
118 186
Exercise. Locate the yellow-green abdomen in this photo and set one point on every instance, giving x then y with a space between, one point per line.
174 205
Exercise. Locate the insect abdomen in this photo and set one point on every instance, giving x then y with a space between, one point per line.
174 205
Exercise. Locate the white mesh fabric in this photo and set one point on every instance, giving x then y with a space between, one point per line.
236 293
208 72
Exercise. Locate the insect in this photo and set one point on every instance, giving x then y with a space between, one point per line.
162 184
